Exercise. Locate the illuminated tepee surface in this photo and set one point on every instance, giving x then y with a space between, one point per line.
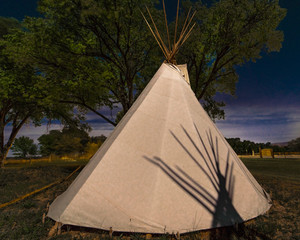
165 168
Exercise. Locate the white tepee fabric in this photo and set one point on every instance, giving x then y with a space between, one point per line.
165 168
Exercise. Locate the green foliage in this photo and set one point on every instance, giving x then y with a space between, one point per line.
100 53
91 54
19 89
228 34
98 139
246 147
213 108
119 116
69 140
93 50
26 95
7 25
24 147
294 145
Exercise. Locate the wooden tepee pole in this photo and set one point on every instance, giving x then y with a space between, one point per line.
186 30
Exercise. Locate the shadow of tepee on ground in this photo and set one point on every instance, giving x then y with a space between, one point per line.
219 205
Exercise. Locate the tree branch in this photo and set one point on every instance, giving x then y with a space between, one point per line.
91 109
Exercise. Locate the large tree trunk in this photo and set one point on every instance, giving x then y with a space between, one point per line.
4 148
3 155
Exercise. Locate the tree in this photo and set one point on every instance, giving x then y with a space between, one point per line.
47 142
98 51
93 145
101 53
69 140
18 84
236 145
7 25
98 139
228 34
294 145
26 96
24 146
246 146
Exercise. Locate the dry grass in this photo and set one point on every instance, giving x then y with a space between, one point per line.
23 220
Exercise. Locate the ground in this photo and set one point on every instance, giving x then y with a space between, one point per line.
23 220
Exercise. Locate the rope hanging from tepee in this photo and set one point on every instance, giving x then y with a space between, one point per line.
170 51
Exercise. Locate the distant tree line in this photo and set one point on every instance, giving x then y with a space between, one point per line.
77 141
294 145
246 147
58 142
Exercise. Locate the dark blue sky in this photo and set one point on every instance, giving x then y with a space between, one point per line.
266 106
18 8
276 74
268 93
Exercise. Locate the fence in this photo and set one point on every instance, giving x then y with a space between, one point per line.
276 155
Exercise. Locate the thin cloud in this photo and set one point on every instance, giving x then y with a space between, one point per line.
101 129
33 132
262 123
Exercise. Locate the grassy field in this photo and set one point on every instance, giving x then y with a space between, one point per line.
23 220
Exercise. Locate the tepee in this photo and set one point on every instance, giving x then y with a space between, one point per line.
165 168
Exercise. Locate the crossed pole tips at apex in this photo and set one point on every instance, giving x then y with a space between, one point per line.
186 30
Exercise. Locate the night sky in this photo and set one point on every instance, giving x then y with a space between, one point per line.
266 106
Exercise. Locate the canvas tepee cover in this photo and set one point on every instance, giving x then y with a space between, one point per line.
165 168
